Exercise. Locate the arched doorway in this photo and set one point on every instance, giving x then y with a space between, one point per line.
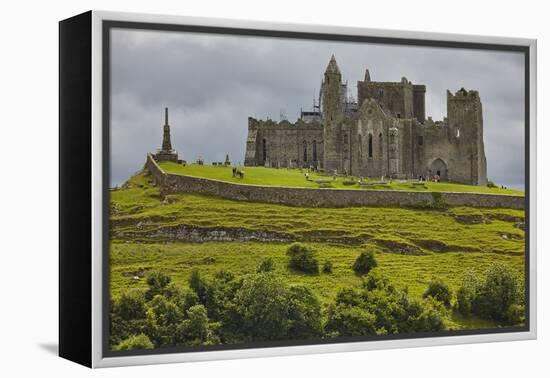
438 167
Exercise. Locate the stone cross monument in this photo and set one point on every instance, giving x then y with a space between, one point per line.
166 153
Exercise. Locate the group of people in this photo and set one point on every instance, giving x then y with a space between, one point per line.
435 178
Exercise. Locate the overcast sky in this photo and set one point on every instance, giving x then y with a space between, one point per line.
212 83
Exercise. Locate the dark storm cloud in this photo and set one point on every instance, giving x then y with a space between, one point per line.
213 83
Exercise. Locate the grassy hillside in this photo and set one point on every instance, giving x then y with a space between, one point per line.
411 245
295 178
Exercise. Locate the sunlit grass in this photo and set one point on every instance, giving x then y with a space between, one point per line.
296 178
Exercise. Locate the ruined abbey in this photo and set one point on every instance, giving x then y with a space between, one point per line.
384 133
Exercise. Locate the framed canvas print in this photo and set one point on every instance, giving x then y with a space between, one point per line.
234 189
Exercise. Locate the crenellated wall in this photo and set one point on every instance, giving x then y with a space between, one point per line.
317 197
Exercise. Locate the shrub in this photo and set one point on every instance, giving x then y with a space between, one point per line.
266 265
304 314
467 292
327 267
430 316
515 314
130 305
302 258
491 184
497 293
492 296
198 285
350 321
364 263
194 329
376 280
349 182
157 281
261 308
439 291
140 341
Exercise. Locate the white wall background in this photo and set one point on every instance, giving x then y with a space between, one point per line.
28 211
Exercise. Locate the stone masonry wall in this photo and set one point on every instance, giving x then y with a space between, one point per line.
313 197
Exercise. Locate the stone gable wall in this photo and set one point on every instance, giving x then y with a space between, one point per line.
313 197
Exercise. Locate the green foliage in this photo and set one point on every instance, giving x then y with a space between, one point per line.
157 281
261 306
467 293
302 258
497 293
437 201
327 267
364 263
304 313
491 184
381 309
493 296
376 280
346 320
266 265
440 291
515 314
140 341
198 285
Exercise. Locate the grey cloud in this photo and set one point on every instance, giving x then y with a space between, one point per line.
212 83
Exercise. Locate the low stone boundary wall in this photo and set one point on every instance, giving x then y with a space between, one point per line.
317 197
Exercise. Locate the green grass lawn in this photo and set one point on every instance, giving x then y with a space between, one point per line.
449 241
295 178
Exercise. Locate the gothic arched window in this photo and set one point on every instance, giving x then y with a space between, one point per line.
305 151
380 145
264 150
370 145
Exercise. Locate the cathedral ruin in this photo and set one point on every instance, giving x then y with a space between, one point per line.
384 133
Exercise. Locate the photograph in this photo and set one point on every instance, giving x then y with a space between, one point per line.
268 189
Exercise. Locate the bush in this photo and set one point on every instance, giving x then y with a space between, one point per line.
304 314
261 309
491 297
130 305
376 280
439 291
497 293
515 314
266 265
140 341
198 285
364 263
491 184
350 321
157 281
327 267
302 258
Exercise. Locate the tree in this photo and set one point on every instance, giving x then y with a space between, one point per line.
194 330
157 281
440 291
497 293
344 320
302 258
261 308
198 285
467 292
364 263
140 341
304 313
